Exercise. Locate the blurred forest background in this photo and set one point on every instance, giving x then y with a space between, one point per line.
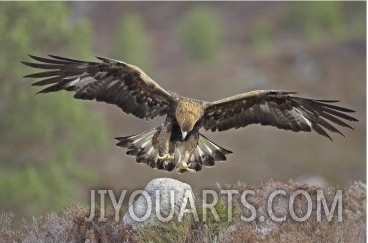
54 149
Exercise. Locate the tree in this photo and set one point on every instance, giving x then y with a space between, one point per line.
41 135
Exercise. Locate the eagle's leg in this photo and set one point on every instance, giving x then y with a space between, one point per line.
189 147
164 143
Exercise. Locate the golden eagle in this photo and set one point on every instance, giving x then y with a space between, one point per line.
177 143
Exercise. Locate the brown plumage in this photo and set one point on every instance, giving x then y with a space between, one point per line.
187 113
178 143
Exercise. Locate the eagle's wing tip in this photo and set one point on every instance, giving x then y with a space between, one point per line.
102 59
32 56
28 64
58 57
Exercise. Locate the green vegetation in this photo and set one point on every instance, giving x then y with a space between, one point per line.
131 43
319 20
41 135
261 38
200 34
214 226
69 225
172 231
175 231
356 30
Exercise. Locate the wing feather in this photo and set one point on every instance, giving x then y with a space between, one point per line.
280 109
110 81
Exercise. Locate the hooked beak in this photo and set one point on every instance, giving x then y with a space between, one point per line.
183 134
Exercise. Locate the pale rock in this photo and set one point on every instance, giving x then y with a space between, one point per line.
163 188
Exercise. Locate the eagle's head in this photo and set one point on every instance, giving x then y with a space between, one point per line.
187 114
186 124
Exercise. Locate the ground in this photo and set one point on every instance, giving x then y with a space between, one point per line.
70 226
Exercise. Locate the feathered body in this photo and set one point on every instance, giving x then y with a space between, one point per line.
178 143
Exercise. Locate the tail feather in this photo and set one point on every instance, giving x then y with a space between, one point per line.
141 146
138 139
207 153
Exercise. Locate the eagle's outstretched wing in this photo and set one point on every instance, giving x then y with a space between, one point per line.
276 108
111 81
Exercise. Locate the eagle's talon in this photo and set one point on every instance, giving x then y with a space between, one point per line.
167 158
191 170
169 161
184 166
